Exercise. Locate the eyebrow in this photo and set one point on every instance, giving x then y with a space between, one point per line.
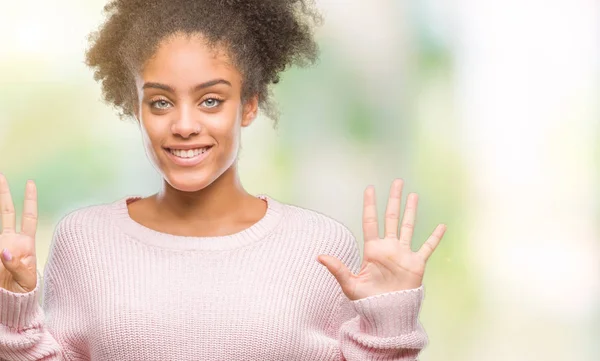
196 88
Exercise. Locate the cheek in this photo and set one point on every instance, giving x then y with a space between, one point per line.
225 128
153 135
149 133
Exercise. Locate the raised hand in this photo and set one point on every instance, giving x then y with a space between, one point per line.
388 263
18 274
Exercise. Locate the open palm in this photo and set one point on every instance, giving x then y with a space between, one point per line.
388 264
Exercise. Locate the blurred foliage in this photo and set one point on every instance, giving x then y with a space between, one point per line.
50 141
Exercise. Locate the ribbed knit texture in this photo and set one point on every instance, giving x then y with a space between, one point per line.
114 289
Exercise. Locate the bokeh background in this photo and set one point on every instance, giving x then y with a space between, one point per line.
487 109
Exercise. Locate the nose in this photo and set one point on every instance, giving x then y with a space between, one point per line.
186 123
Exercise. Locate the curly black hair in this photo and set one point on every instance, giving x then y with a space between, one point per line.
263 38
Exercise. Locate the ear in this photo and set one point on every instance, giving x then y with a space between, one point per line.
250 111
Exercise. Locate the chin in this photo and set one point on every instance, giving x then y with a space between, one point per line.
189 179
187 184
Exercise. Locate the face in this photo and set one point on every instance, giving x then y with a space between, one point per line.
190 111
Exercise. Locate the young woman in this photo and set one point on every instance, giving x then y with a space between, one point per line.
203 270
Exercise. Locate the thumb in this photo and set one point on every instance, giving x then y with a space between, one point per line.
8 260
339 270
13 265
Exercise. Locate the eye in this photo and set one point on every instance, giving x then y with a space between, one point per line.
162 104
211 102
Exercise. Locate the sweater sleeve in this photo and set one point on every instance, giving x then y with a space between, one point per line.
30 330
380 327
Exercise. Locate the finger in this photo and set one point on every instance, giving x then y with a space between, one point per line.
7 207
339 270
432 242
20 272
30 210
392 212
408 219
370 227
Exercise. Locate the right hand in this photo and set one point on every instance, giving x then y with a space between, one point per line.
19 274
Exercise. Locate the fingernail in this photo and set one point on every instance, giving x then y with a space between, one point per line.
6 254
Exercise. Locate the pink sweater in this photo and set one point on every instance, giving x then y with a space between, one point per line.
116 290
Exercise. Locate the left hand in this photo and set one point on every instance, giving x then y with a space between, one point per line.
388 264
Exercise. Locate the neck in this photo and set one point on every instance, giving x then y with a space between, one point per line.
224 198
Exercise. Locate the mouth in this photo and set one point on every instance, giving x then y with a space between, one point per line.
188 157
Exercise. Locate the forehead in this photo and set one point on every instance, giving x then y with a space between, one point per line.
184 59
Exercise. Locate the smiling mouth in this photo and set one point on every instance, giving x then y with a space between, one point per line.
188 153
188 157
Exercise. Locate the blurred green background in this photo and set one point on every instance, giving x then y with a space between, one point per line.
488 110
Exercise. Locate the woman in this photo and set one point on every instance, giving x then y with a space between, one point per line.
203 270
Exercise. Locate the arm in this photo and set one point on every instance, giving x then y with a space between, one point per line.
381 327
29 331
382 295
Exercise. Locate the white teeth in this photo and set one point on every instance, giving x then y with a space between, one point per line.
190 153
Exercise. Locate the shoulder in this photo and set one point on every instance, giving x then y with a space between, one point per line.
83 216
77 224
73 240
309 219
327 234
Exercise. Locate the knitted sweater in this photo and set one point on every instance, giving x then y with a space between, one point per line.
114 289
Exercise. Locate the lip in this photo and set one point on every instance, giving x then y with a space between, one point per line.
188 162
188 146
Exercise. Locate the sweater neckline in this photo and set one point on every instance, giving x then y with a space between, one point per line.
256 232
